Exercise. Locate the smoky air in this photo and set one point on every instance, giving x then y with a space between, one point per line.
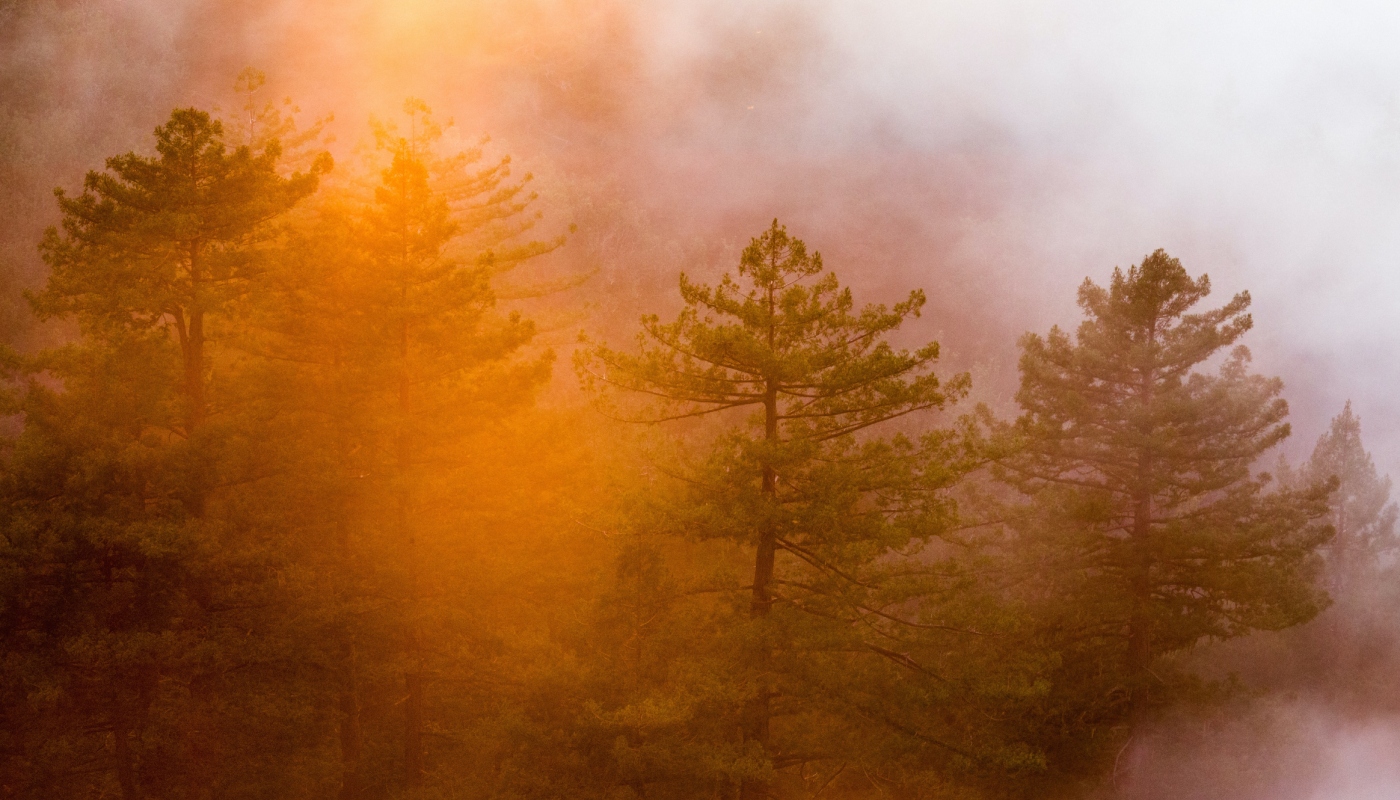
539 398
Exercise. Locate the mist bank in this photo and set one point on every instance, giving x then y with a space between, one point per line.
995 156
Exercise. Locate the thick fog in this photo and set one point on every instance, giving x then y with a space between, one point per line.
994 153
1260 143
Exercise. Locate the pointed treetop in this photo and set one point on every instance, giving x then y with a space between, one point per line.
774 260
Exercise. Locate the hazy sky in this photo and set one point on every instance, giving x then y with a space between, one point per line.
1259 142
995 153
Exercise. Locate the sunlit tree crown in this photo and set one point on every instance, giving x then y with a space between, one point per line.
784 328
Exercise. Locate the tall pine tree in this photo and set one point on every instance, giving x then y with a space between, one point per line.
834 520
386 348
1148 529
132 602
1360 510
159 245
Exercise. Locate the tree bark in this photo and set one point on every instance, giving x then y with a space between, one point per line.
126 766
196 402
1140 623
1140 570
758 711
351 736
413 675
196 412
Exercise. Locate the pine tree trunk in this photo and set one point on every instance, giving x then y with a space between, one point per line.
1140 569
349 724
758 711
1342 562
413 727
192 355
203 735
194 373
125 760
350 732
1139 577
203 723
413 676
1140 623
351 737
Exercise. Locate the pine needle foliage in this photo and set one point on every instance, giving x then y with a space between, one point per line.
1148 529
1360 511
848 607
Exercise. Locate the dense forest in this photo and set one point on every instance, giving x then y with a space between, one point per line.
301 503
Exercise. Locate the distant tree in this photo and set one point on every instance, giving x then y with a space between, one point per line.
389 356
1347 654
1360 510
835 522
1148 530
258 122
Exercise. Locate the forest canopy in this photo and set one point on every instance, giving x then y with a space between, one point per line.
294 511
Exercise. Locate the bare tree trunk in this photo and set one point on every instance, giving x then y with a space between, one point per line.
126 762
758 711
196 402
350 733
351 737
413 675
1139 569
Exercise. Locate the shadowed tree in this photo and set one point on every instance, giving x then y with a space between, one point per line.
163 243
1347 653
130 594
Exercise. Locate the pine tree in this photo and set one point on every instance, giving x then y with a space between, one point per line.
1360 510
258 125
821 507
132 601
1344 654
161 244
387 348
1147 529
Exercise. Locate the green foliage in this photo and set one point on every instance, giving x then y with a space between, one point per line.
1146 530
1343 655
1360 511
283 519
129 603
855 603
157 238
160 246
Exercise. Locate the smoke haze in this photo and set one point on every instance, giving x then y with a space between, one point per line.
994 153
